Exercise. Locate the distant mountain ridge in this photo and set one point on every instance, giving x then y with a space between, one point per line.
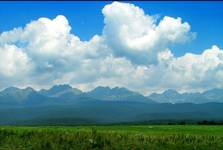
13 95
172 96
65 92
63 104
60 90
116 94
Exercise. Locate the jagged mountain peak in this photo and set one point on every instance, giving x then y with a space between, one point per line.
29 89
116 94
99 88
10 89
170 92
115 90
60 90
61 87
172 96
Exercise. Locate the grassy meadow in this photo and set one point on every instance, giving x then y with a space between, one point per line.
113 137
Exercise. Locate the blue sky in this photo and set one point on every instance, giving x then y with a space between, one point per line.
143 46
86 18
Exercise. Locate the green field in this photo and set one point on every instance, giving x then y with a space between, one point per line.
132 137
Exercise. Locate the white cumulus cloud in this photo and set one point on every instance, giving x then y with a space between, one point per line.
132 33
133 51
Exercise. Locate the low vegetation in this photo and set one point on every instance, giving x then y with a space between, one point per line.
120 137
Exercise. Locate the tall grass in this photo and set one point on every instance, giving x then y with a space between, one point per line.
47 139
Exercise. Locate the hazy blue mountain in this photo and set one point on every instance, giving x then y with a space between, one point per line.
116 94
110 112
214 94
13 96
172 96
66 94
63 104
61 90
168 96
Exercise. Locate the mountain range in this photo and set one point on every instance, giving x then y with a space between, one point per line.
172 96
64 105
65 93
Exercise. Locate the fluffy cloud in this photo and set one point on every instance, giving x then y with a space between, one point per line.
131 52
51 48
133 34
14 65
198 71
13 61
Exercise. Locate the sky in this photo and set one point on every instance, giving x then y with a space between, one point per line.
144 46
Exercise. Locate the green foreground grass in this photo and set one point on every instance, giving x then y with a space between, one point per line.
120 137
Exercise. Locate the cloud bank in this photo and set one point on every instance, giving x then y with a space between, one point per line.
133 51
